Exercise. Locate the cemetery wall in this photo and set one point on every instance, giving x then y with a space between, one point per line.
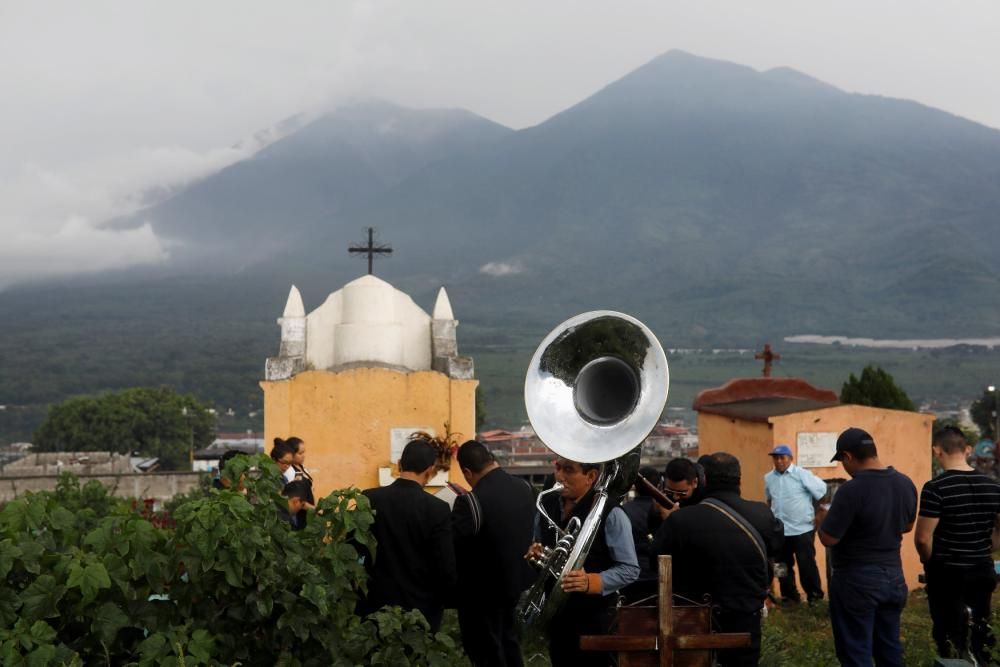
160 486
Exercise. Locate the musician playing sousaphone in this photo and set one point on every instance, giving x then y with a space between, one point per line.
610 565
595 388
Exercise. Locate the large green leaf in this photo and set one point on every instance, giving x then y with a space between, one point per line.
41 599
35 511
201 646
90 579
41 632
108 620
31 555
61 518
102 538
8 553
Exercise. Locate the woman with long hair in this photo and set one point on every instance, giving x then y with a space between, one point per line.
297 469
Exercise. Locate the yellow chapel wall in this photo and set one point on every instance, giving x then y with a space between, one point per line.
903 440
743 439
346 418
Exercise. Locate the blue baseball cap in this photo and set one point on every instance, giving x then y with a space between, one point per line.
781 450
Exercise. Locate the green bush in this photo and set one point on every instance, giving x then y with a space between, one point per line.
89 579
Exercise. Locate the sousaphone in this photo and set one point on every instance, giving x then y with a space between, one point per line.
594 390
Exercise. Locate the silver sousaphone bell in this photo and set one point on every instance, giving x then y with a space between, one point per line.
596 387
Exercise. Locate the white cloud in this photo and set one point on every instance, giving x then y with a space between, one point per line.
52 219
499 269
76 247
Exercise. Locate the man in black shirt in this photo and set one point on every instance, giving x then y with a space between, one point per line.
297 494
955 537
414 564
720 548
493 530
864 527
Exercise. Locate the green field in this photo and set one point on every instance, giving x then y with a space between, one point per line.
945 379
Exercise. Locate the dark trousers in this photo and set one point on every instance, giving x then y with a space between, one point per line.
950 590
489 635
739 621
865 605
579 617
800 549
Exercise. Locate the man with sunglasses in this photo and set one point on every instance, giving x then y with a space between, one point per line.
684 484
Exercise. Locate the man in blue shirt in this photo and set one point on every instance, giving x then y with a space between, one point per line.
865 527
791 493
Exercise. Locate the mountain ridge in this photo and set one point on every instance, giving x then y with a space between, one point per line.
713 201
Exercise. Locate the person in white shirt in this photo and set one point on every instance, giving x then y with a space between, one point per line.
296 470
792 493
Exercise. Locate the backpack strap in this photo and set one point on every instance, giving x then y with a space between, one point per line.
745 526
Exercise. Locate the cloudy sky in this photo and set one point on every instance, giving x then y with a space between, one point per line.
102 102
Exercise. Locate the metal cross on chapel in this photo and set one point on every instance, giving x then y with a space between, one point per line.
371 249
769 357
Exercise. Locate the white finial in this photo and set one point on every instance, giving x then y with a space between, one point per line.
294 307
442 307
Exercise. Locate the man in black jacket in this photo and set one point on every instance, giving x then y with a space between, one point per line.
720 548
414 563
493 529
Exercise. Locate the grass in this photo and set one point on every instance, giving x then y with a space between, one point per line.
802 635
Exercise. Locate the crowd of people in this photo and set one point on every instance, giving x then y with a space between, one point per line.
727 550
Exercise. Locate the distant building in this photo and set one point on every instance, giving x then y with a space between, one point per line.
671 440
207 459
523 453
748 417
513 445
79 463
13 452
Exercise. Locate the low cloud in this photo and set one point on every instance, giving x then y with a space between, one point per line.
53 220
499 269
76 247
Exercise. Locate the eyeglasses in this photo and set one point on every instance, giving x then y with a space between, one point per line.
677 494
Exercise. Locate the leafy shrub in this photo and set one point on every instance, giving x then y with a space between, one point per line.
87 578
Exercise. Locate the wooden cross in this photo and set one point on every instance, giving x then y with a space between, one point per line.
371 249
768 356
665 635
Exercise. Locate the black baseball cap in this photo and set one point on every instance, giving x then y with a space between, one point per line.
850 441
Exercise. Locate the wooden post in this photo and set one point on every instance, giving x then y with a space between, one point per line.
666 604
664 635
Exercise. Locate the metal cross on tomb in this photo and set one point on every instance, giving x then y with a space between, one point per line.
371 249
769 357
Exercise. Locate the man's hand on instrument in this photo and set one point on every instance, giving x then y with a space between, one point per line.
575 581
535 551
579 581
